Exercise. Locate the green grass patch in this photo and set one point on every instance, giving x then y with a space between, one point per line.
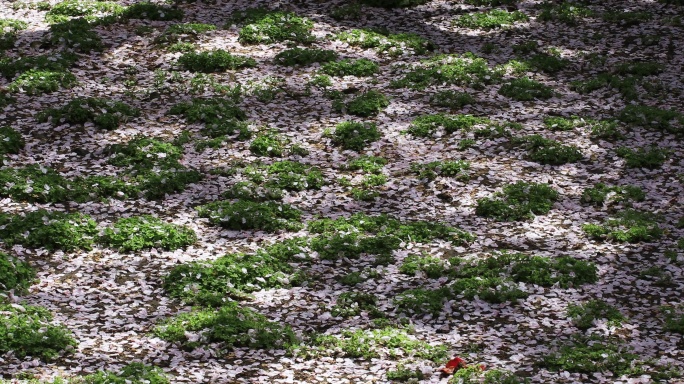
547 62
76 35
651 117
519 201
28 331
232 325
9 68
217 60
428 125
584 315
35 82
11 141
674 318
304 56
495 18
567 13
353 303
589 355
88 9
104 113
650 158
349 67
355 136
431 170
601 194
451 99
286 175
52 230
392 44
369 164
15 274
433 267
477 374
466 70
269 143
145 153
34 184
246 215
9 28
558 123
266 27
526 89
136 373
629 226
367 104
145 232
215 111
549 152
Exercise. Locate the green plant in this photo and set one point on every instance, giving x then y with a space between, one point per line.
351 11
562 270
557 123
355 136
64 10
547 63
321 81
52 230
606 129
451 99
403 374
370 164
551 152
674 318
27 331
212 110
630 226
626 18
266 27
144 153
601 193
241 215
651 117
525 89
348 67
433 267
235 275
426 125
214 61
519 201
568 13
151 11
367 104
385 42
589 355
182 47
466 70
35 82
584 315
268 144
650 158
133 373
232 325
526 47
11 141
104 113
304 56
141 232
353 303
8 32
58 62
34 184
15 274
431 170
495 18
75 34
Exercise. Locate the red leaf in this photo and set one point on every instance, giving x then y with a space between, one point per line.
453 365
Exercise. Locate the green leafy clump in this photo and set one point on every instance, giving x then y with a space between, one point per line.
601 193
626 18
235 275
584 315
75 34
266 27
651 117
365 105
550 152
393 44
650 158
232 325
562 270
52 230
370 164
35 82
88 9
558 123
495 18
351 11
136 373
59 62
8 32
269 144
144 153
451 99
184 32
224 130
34 184
568 13
15 274
368 344
217 60
355 136
28 331
150 11
404 374
589 355
605 129
248 190
11 141
547 62
526 89
104 113
353 303
304 56
466 70
349 67
674 318
431 170
144 232
287 175
216 111
629 226
639 68
427 125
519 201
476 374
433 267
245 215
393 3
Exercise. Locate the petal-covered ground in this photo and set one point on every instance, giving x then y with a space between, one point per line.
338 192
